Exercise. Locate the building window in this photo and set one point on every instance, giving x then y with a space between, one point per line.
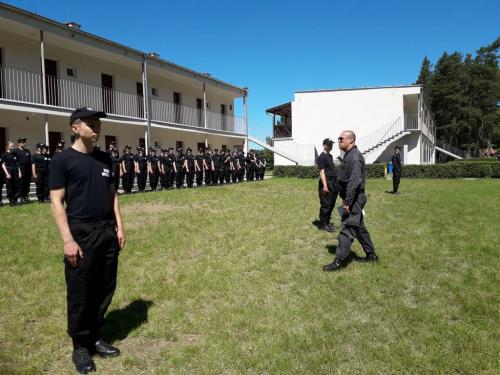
71 72
178 145
155 92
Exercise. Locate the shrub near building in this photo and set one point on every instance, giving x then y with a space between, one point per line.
459 169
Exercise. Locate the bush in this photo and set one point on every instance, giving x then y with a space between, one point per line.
300 171
460 169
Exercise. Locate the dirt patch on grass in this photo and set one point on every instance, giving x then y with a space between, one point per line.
146 347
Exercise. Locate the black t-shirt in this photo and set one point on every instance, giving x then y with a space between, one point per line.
40 161
325 161
86 179
24 157
10 160
129 161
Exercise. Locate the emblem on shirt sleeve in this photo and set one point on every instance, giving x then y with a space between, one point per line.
105 172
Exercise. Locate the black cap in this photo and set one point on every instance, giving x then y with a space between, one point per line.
189 149
21 140
397 147
60 144
40 145
327 141
84 112
171 149
128 147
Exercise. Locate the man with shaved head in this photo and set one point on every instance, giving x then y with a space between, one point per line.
351 183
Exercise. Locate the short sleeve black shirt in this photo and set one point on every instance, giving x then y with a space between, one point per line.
10 160
86 179
325 161
40 161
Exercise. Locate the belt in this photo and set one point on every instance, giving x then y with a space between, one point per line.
96 223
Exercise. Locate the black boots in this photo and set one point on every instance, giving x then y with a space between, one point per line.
106 350
326 227
372 257
334 266
82 360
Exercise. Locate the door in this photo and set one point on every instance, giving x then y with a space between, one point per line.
3 140
107 93
223 116
140 100
54 138
178 145
51 83
142 143
177 107
201 146
199 111
108 139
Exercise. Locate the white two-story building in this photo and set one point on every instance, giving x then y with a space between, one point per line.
381 117
48 68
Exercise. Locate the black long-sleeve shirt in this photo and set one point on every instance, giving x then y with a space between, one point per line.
351 178
396 164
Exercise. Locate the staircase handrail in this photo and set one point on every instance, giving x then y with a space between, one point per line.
379 135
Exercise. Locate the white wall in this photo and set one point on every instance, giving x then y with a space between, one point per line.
317 115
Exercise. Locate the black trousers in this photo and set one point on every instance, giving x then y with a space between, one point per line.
396 178
42 184
215 175
141 179
241 174
326 201
208 177
13 185
190 177
234 176
170 178
153 178
199 178
116 176
92 283
180 178
222 176
2 183
128 181
352 227
227 175
25 181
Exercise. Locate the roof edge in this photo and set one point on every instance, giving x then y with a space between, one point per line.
356 88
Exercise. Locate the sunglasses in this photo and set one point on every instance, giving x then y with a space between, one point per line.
340 139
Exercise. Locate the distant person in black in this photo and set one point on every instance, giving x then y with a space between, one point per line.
216 161
326 186
141 169
12 173
198 168
241 172
92 231
180 169
116 168
396 169
351 184
226 168
24 162
127 169
189 167
153 169
208 167
172 168
40 171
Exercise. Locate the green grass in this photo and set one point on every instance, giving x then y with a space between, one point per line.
229 280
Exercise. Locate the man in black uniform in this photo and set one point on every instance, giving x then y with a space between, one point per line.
128 169
153 169
10 167
171 167
40 171
241 162
141 169
208 167
198 167
396 169
234 167
24 162
162 161
189 167
226 168
92 231
2 181
216 165
60 146
179 167
116 169
351 184
326 186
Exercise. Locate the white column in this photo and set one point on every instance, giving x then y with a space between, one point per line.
145 94
245 108
44 83
205 113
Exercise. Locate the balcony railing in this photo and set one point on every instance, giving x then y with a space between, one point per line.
411 121
24 86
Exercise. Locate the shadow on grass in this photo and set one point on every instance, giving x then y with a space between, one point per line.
119 323
332 249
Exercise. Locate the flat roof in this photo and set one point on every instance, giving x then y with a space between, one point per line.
282 109
357 88
147 55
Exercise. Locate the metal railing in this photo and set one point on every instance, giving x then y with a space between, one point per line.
411 121
380 135
24 86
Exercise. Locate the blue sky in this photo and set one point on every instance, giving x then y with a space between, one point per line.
277 47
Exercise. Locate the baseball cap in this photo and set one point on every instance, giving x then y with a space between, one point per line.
85 112
40 145
328 141
21 140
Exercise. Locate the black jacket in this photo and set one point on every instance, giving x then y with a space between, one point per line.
351 178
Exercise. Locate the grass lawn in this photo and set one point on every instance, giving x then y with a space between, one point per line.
229 280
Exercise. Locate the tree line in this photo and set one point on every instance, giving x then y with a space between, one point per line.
464 95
